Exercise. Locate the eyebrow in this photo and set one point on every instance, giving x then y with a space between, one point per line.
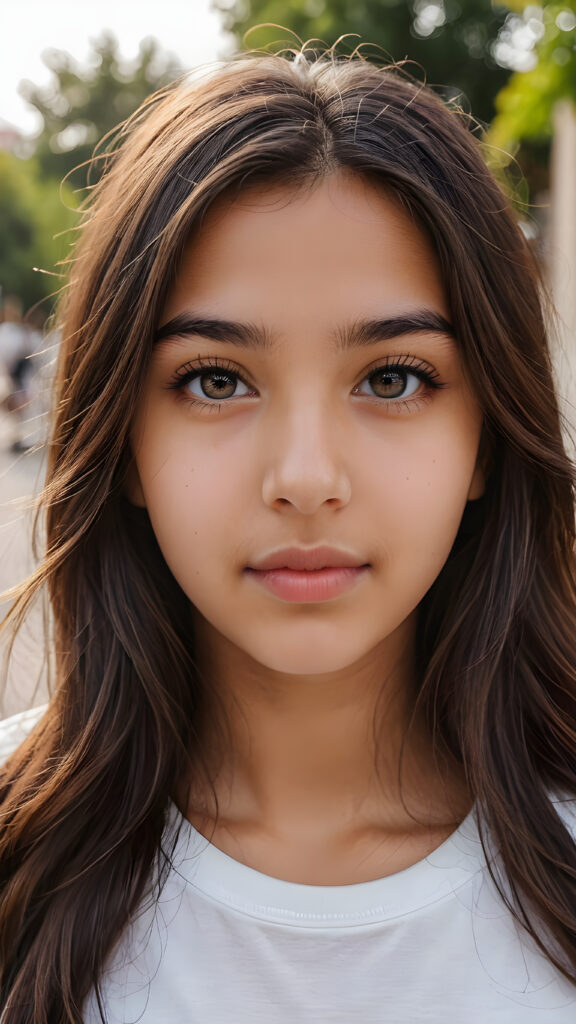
354 335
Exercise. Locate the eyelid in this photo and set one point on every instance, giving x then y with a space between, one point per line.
201 364
406 361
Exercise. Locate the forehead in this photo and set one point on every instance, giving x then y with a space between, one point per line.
341 246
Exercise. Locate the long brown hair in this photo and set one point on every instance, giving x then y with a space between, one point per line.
85 797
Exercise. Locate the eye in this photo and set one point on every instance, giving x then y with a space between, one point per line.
211 383
389 382
400 379
216 384
208 382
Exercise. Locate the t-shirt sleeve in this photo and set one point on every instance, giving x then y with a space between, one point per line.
14 730
565 804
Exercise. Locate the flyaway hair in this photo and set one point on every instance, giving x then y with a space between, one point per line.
84 800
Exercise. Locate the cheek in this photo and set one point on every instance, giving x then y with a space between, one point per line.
191 492
422 490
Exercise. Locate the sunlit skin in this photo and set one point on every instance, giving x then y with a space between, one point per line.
303 450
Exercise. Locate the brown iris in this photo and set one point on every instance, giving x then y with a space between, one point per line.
388 383
220 382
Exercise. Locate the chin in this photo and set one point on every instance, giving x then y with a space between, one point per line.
310 660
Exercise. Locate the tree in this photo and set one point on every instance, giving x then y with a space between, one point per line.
80 106
35 223
452 40
538 109
526 104
84 103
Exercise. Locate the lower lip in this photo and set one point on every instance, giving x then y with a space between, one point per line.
298 585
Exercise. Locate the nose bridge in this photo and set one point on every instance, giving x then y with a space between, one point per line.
306 463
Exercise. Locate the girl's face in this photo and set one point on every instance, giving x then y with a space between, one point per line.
329 408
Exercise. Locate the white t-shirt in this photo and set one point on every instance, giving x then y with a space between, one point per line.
226 944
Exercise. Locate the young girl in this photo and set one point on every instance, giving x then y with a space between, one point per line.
310 756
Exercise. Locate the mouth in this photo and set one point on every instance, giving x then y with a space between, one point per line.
309 585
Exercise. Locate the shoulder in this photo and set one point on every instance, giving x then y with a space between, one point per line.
15 729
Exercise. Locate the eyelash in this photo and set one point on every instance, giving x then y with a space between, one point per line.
410 364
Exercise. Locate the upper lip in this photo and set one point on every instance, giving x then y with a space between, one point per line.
308 558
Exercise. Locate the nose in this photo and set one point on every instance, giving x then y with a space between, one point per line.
306 464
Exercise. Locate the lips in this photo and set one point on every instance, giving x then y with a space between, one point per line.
308 559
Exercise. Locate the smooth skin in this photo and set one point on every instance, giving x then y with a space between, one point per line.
298 445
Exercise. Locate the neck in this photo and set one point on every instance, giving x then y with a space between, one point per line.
322 753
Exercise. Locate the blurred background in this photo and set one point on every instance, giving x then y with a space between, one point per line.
69 76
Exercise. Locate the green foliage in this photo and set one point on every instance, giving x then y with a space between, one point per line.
451 40
78 109
35 229
83 104
526 104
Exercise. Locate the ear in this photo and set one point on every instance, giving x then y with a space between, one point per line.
133 488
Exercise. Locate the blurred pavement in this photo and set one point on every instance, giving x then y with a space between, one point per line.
21 476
